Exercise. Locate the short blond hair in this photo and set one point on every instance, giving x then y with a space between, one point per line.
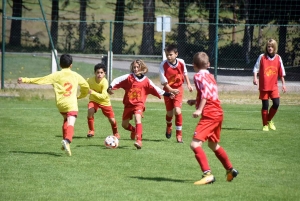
141 63
272 43
201 60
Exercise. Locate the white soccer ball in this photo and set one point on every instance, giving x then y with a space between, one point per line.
111 142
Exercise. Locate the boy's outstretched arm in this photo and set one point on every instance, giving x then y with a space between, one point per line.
187 79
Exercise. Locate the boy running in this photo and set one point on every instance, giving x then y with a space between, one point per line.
65 84
172 73
269 66
209 127
99 98
137 87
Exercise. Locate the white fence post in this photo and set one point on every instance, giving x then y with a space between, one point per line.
53 61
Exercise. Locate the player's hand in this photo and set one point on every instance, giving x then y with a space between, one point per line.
197 113
175 91
190 88
283 88
19 80
91 91
172 96
191 102
255 81
110 91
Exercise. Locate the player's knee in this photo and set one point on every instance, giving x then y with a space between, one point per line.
275 103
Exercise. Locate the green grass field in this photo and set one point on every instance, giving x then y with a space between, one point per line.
34 168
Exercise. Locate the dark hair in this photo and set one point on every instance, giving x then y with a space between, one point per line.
171 48
65 61
100 66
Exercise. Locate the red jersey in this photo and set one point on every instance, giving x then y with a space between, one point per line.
269 70
173 74
136 90
206 87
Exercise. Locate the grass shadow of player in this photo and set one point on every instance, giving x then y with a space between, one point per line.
38 153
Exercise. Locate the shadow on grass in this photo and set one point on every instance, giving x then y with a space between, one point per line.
101 146
161 179
40 153
74 137
244 129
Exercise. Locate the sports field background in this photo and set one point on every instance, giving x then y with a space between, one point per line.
34 168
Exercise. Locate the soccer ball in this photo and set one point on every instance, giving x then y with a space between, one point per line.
111 142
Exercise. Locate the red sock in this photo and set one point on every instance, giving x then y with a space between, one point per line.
169 121
64 128
201 158
178 123
114 127
70 133
130 128
272 113
264 116
223 157
178 120
91 123
139 131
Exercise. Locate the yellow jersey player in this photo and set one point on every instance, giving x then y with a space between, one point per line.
99 98
65 84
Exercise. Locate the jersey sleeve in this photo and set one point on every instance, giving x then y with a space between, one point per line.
84 87
162 76
184 67
281 72
257 64
103 95
155 90
118 82
48 79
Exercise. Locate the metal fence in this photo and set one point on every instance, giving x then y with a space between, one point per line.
235 59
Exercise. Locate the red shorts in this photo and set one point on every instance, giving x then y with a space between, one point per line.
130 111
208 129
265 95
106 110
176 102
71 113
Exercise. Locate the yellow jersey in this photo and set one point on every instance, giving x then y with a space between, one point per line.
99 94
65 84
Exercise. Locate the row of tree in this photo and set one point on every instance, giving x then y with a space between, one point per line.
249 12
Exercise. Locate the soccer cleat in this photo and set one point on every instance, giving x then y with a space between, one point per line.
230 174
207 178
271 125
138 144
66 146
117 135
168 132
179 139
90 133
265 128
132 135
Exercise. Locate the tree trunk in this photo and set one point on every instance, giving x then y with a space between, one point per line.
212 30
247 34
16 25
118 27
282 41
54 23
147 47
181 37
82 25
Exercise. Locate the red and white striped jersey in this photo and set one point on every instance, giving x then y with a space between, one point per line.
136 90
206 87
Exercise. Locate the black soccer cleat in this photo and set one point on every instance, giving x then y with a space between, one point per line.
168 135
